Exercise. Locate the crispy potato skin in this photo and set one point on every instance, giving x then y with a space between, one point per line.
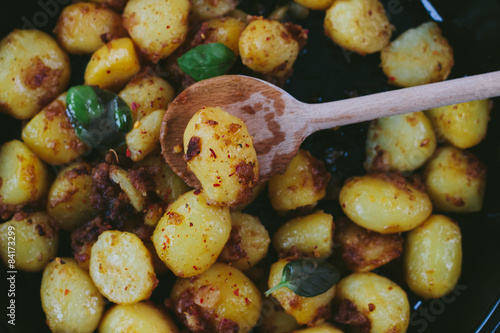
418 56
433 257
209 9
221 297
358 25
455 180
35 70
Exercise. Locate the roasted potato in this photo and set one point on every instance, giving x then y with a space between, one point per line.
358 25
226 30
219 151
158 27
145 136
70 299
35 70
208 9
274 318
122 178
385 203
418 56
121 267
303 183
191 226
402 142
323 328
433 257
222 298
455 180
315 4
84 27
116 5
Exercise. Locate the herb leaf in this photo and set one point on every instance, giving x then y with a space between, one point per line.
206 61
307 277
100 118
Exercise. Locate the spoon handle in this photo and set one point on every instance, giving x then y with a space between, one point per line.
348 111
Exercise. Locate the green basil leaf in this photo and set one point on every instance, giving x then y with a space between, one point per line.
206 61
100 118
307 277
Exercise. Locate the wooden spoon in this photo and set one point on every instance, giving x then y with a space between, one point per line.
279 123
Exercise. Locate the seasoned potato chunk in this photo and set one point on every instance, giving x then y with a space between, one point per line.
219 151
316 4
207 9
303 184
248 242
23 177
113 65
275 319
385 203
145 136
306 310
418 56
463 125
363 250
455 180
226 30
158 27
117 5
310 235
122 178
70 299
84 27
323 328
371 303
145 93
51 136
222 299
358 25
34 238
433 257
402 142
267 47
191 226
136 318
121 267
35 70
69 196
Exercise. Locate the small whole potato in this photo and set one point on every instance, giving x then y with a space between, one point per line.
418 56
402 142
385 203
268 47
70 299
463 125
315 4
433 257
208 9
84 27
35 70
226 30
358 25
455 180
368 302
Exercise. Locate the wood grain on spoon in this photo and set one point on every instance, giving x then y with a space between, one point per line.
279 123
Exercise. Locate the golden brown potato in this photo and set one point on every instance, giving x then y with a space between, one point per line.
267 47
222 299
358 25
23 177
116 5
310 235
145 136
140 317
219 151
121 267
385 203
315 4
248 242
433 257
226 30
306 310
35 70
463 125
191 226
113 65
70 300
208 9
455 180
323 328
51 136
363 250
418 56
69 196
122 178
371 303
275 319
28 241
158 27
84 27
303 183
402 142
